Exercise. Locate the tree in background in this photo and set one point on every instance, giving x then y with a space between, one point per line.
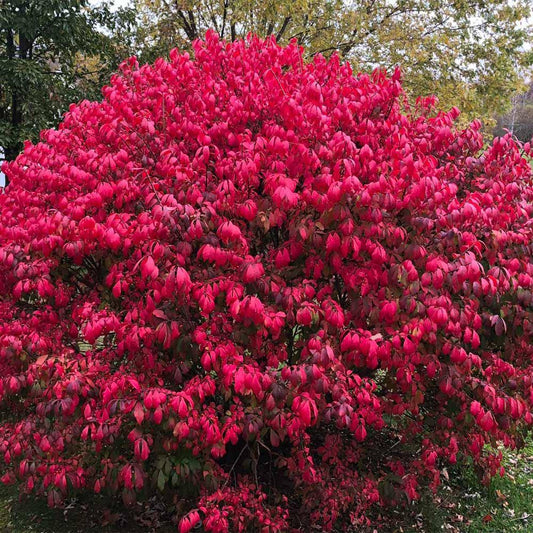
519 119
470 53
52 53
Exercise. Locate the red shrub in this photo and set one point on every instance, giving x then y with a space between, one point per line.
269 287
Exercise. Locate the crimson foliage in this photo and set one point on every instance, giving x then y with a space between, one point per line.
272 288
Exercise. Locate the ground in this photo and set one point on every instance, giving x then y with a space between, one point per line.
506 506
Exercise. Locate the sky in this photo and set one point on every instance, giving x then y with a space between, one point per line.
117 3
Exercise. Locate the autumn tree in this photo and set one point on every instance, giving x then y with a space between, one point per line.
51 54
265 290
467 52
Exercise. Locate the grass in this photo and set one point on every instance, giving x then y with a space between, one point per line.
463 506
505 506
94 515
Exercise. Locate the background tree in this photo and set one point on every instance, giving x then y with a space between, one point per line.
470 53
51 54
519 119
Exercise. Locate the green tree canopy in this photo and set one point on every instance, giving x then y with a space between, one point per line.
470 53
52 53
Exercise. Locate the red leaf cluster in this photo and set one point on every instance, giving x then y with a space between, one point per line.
272 288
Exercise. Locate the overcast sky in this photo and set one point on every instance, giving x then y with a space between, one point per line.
117 3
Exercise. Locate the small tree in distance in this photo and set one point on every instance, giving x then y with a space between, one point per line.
272 288
519 120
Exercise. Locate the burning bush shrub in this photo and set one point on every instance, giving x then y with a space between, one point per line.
273 289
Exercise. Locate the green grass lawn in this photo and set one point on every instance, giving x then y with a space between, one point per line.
506 506
31 515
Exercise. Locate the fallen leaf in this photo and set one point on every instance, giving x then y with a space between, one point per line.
501 496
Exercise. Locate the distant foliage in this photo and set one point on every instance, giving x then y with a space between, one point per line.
270 288
519 120
53 52
473 54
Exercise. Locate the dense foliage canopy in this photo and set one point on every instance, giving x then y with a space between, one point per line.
274 289
471 54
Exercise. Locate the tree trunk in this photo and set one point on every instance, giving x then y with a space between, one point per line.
14 147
